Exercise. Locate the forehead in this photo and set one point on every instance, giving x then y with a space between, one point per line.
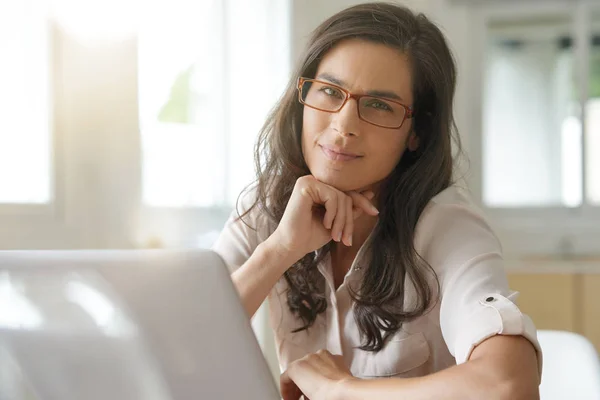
366 66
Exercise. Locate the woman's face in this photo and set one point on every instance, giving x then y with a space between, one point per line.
360 67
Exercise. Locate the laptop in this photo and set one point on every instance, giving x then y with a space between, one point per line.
125 325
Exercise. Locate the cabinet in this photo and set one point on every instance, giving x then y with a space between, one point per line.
549 299
560 300
590 316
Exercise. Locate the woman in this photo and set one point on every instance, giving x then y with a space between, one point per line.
374 262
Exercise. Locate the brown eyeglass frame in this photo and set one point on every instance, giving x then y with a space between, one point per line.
409 112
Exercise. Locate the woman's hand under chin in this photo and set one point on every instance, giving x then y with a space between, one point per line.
318 376
317 213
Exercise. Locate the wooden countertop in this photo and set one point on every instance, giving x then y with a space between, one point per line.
554 265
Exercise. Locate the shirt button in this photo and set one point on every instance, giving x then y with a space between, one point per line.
490 299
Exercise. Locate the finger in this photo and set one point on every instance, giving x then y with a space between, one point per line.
328 198
340 218
338 360
349 225
320 194
356 211
362 202
326 357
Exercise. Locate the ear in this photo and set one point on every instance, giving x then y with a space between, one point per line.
412 142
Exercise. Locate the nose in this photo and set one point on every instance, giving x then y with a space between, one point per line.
346 121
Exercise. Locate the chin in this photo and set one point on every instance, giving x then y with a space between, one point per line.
337 179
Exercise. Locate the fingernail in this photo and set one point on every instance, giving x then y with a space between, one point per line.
350 240
374 209
339 237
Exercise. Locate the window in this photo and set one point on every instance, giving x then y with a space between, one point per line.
532 137
533 127
25 140
66 126
209 72
537 141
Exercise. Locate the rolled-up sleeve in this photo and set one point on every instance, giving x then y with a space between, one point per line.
476 302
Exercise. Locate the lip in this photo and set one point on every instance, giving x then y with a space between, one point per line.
337 154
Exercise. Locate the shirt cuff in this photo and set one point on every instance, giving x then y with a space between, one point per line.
496 315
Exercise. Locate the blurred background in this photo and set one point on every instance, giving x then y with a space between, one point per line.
130 124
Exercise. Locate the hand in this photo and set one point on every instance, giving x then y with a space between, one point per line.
318 376
317 213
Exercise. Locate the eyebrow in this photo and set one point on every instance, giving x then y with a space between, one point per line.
376 93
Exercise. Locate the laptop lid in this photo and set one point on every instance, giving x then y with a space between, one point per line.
123 325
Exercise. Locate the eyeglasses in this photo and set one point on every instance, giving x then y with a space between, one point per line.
324 96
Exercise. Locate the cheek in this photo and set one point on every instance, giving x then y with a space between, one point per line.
394 145
314 123
386 153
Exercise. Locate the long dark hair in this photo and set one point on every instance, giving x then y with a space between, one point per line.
390 254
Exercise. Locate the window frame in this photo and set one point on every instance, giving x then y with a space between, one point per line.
42 225
50 208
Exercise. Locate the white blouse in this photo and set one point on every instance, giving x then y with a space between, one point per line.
474 304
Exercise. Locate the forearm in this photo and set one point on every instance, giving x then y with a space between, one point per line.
462 382
501 375
257 276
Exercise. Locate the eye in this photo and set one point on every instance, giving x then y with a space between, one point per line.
379 105
329 91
